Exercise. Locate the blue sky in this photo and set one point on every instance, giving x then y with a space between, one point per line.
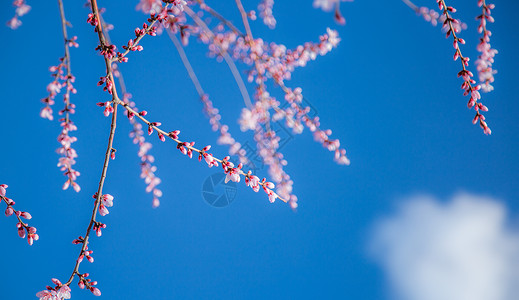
389 92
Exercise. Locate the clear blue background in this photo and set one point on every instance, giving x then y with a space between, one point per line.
389 92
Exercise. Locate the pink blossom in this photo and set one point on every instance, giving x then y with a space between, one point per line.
14 23
265 12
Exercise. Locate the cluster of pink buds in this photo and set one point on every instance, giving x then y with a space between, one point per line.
233 174
85 282
267 187
21 9
88 254
54 88
178 5
97 227
72 42
274 61
107 82
146 29
467 86
107 51
65 150
186 148
429 15
131 46
92 20
252 181
265 12
279 62
150 6
208 157
23 228
108 107
59 292
486 58
106 201
150 128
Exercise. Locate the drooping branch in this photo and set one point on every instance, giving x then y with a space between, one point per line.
468 82
486 58
187 148
23 228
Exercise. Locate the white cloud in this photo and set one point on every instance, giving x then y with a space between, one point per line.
459 250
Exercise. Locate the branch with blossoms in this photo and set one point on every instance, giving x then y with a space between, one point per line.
63 78
187 148
101 203
276 63
267 141
23 228
21 9
486 58
468 82
147 168
429 15
433 17
266 61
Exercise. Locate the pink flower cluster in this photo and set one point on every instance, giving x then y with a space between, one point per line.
429 15
155 6
63 78
21 9
277 62
486 58
59 292
85 282
23 228
433 17
272 61
472 91
265 12
106 201
150 6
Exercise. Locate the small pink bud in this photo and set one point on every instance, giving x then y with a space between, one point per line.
95 291
26 215
21 232
9 211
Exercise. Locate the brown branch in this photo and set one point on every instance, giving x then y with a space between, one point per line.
115 101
